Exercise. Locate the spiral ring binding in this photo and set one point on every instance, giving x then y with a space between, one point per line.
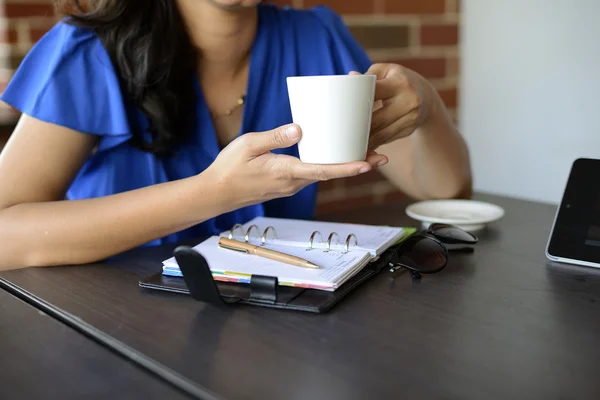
331 235
236 226
350 236
312 237
247 237
263 239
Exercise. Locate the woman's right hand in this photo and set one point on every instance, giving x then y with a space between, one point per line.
246 172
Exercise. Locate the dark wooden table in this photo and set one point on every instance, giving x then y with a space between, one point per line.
501 323
42 358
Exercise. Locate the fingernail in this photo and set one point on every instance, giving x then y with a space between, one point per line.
381 163
292 132
364 169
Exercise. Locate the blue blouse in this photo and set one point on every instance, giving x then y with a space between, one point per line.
68 79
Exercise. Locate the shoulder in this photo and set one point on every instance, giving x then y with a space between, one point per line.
68 79
318 17
316 30
67 46
70 55
65 31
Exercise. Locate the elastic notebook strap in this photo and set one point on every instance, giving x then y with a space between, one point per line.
202 286
198 277
263 288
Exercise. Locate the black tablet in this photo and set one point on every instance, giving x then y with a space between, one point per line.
575 235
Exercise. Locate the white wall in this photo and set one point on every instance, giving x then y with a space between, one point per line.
530 92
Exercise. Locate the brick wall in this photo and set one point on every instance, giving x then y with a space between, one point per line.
419 34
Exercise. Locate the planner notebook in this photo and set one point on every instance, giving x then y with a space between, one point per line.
339 249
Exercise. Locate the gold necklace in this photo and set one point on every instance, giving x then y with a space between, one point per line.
240 102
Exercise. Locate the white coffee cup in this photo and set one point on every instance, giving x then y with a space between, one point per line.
334 113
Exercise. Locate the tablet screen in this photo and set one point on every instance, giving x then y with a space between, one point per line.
576 232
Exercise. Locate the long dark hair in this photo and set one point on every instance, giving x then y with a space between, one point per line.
154 57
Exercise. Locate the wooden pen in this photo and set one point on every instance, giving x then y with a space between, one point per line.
231 244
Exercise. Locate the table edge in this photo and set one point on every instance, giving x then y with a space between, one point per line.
152 366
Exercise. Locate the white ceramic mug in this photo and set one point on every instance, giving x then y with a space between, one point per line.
334 113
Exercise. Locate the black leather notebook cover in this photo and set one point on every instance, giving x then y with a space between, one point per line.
262 291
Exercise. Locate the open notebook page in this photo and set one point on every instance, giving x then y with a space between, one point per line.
335 267
291 232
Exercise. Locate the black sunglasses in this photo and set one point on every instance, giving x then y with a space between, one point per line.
427 251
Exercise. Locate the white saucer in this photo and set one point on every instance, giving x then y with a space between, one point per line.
469 215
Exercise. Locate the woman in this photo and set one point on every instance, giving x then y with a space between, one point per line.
132 115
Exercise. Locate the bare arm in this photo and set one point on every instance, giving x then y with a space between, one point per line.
37 228
433 162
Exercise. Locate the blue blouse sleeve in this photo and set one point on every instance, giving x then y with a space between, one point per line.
68 79
350 54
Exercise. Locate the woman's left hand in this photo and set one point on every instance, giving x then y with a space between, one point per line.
402 103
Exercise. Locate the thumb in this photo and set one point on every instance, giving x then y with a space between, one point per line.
380 70
354 73
262 142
